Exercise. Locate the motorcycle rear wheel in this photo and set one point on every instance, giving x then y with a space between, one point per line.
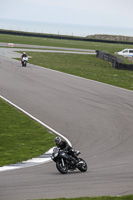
62 169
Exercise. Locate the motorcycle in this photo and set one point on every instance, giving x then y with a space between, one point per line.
65 162
24 61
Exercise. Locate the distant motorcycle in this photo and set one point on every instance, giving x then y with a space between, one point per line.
24 61
64 163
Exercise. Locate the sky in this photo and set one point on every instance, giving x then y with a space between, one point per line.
112 13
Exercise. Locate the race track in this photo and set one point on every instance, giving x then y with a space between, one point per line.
95 117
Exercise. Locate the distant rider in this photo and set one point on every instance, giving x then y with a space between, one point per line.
63 145
23 55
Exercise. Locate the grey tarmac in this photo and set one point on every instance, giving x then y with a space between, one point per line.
97 119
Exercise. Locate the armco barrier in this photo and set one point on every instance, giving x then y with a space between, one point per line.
116 62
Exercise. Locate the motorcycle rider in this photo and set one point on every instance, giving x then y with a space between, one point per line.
63 145
23 55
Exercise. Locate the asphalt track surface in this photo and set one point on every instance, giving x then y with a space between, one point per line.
95 117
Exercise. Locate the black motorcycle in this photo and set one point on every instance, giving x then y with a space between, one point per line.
65 162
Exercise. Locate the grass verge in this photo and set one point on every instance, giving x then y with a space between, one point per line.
87 66
128 197
107 47
21 138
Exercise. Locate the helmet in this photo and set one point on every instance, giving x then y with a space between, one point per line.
58 140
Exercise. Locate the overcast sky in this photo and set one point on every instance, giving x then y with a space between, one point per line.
116 13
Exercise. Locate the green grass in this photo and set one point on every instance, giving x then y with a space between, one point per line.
128 197
87 66
108 47
21 138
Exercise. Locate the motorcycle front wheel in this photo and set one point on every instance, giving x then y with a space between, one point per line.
82 166
62 169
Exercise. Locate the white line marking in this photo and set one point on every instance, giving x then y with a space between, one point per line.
33 161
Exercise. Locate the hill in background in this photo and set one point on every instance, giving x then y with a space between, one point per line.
111 37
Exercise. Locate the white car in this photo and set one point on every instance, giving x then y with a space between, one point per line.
126 53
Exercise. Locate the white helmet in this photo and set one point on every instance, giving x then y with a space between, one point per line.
58 140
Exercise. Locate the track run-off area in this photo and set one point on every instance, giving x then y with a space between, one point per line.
96 118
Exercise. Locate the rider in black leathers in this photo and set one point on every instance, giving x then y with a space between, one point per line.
23 55
63 145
